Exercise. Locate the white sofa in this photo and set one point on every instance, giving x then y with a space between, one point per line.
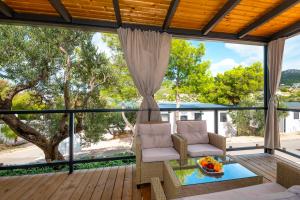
287 177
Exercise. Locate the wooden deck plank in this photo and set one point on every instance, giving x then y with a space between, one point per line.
257 167
18 186
118 188
50 187
81 187
70 185
23 190
108 190
91 185
10 184
30 192
127 187
107 183
101 184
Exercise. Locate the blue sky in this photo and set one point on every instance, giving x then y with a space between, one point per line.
224 56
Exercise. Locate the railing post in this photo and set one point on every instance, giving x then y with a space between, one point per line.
266 87
71 134
216 121
149 115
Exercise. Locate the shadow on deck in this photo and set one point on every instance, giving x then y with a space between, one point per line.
106 183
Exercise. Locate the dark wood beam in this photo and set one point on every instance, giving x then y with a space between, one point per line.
117 12
220 15
107 26
287 32
171 11
268 16
60 8
6 10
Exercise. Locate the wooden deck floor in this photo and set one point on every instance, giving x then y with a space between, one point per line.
105 183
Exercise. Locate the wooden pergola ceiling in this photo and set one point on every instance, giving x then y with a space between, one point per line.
241 20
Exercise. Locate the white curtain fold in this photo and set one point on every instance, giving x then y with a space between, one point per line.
275 54
147 57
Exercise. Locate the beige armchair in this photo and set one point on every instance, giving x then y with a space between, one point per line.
153 145
199 142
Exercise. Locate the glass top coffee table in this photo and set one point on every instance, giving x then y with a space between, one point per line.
187 179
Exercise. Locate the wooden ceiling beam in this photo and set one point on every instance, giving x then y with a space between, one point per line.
268 16
6 10
171 11
117 12
108 26
287 32
60 8
230 5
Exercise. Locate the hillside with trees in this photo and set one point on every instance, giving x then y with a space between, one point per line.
290 77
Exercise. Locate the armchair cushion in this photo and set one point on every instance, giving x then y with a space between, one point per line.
195 132
196 150
155 135
159 154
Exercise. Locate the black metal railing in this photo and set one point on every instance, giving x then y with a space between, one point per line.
72 112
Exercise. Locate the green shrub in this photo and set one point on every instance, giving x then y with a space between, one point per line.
79 166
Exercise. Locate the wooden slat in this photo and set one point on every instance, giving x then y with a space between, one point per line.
118 188
89 189
18 188
104 183
108 190
195 14
24 189
219 16
99 188
244 14
150 12
279 23
30 192
268 16
50 187
81 187
127 188
32 6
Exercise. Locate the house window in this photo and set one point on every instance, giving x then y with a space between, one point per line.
198 116
183 117
165 117
223 117
296 115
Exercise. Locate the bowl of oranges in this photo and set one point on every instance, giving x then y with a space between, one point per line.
210 166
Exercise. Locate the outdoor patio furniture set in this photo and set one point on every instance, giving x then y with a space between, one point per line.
173 159
155 144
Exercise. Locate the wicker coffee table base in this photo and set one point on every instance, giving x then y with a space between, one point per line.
173 188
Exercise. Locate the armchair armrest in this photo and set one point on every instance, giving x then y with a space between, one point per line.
180 145
218 141
157 192
288 175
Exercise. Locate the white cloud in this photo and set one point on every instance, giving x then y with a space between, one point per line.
249 53
291 56
223 66
101 45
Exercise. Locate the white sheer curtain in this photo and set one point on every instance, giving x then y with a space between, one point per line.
147 56
275 54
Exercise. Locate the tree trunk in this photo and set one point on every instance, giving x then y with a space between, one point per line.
30 134
52 153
